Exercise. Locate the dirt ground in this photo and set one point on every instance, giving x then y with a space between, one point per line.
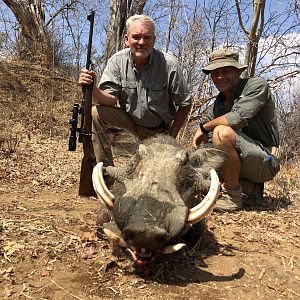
47 251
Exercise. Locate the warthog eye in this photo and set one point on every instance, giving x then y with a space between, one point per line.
128 236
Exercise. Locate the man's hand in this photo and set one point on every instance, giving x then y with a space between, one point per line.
198 138
87 77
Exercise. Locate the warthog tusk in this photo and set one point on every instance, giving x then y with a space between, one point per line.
200 211
100 187
172 248
115 238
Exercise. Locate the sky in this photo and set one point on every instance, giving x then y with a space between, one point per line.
274 9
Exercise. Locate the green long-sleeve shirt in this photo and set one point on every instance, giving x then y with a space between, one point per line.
151 97
253 111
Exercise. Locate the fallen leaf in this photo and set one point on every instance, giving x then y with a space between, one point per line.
88 251
45 273
89 236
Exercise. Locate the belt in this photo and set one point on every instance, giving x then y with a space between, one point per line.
276 152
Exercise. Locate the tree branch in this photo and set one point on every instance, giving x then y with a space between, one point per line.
238 9
65 6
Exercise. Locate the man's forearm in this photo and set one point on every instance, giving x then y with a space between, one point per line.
104 98
211 125
180 118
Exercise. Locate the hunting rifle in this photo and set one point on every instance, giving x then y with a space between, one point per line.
85 130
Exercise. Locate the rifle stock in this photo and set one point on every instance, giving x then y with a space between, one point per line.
89 160
85 131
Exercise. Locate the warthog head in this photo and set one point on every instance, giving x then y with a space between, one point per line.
158 204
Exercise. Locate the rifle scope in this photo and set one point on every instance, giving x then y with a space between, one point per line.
73 122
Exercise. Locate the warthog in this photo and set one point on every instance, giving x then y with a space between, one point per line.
158 204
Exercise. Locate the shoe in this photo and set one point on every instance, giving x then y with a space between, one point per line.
231 200
255 198
253 192
247 185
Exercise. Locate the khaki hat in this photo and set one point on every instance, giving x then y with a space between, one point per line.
223 58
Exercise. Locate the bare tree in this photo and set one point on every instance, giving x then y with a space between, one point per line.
253 34
188 29
268 37
34 39
216 15
173 13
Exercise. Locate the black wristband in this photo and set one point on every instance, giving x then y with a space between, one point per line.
203 129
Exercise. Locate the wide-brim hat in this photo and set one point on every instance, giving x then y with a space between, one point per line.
223 58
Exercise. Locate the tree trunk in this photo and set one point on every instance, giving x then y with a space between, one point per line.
254 36
120 10
34 40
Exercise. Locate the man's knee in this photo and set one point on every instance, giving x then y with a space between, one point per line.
96 120
94 113
224 136
100 113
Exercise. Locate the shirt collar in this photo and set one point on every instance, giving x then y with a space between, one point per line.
149 62
239 88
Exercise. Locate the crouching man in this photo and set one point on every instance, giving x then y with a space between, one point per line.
241 122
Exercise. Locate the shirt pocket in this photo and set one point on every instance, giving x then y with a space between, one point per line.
128 92
157 92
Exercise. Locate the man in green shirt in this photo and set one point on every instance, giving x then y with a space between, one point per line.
141 89
242 123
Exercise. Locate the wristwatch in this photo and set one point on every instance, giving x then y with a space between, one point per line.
203 129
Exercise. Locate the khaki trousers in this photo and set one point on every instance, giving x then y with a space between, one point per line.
107 116
257 164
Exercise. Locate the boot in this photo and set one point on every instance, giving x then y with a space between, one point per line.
230 200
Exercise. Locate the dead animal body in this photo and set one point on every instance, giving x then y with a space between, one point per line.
158 204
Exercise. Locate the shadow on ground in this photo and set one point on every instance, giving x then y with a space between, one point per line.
271 204
188 265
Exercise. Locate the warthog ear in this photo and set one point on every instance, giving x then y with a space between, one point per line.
182 156
207 159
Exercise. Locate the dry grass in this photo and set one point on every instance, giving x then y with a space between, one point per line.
251 254
34 101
